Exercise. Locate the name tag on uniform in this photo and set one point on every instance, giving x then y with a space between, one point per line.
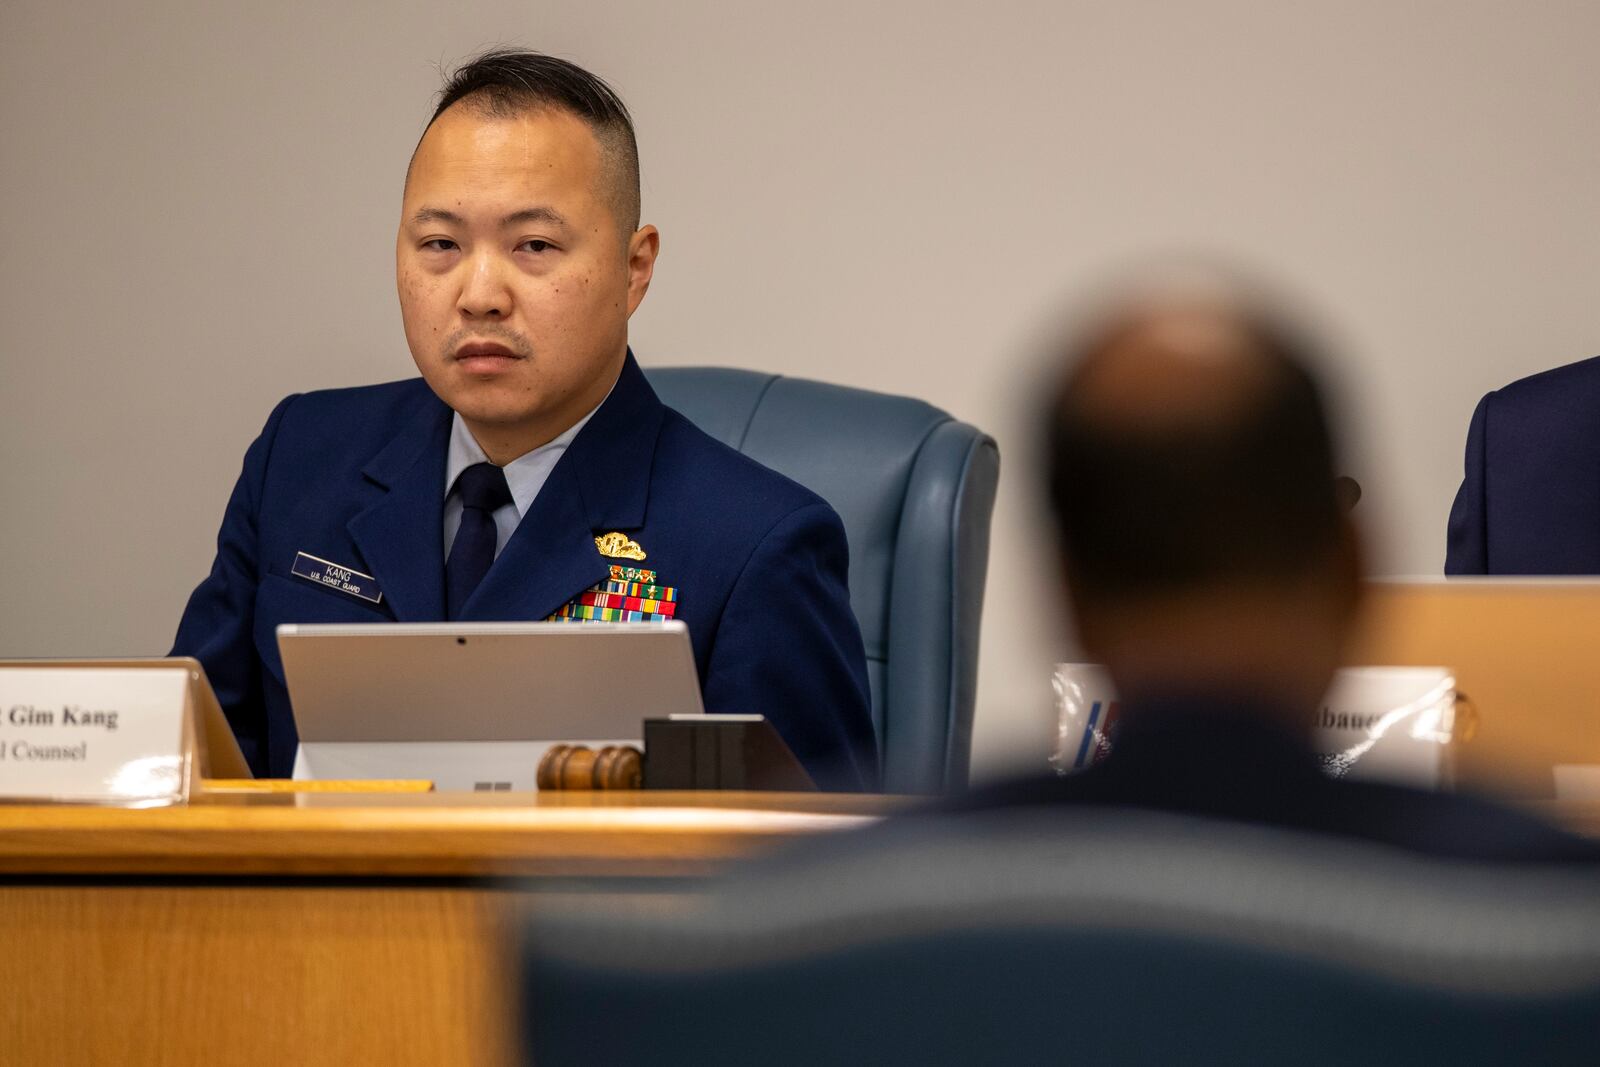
336 576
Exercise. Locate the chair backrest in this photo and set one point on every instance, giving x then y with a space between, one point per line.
915 489
1094 936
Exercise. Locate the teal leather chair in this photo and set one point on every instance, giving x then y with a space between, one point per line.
1089 936
915 489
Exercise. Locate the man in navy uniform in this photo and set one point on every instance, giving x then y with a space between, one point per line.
1529 501
531 473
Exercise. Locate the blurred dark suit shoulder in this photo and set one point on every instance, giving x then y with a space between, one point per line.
1207 759
1529 501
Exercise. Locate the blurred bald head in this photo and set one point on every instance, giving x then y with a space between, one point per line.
1191 474
1185 366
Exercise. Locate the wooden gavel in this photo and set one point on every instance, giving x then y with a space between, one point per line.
581 767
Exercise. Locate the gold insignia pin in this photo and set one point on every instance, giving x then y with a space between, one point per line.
617 546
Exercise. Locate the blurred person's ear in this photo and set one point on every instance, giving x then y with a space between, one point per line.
1088 625
1348 492
1346 571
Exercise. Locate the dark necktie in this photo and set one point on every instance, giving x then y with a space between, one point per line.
483 488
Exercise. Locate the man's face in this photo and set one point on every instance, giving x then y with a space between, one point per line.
515 281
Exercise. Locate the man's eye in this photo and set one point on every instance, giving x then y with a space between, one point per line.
534 244
439 244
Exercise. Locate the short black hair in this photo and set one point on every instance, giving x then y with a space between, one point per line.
1147 510
506 82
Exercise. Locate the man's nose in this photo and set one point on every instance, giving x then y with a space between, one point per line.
484 292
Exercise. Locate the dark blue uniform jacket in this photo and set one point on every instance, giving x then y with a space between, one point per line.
356 477
1530 499
1225 759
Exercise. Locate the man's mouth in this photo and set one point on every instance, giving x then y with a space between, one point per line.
484 357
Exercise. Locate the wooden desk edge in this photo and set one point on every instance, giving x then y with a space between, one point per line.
674 835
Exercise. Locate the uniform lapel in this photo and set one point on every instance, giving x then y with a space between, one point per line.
601 483
401 536
550 558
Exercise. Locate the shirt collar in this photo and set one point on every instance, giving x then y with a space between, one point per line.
526 474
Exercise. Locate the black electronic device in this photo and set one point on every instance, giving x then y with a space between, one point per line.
720 752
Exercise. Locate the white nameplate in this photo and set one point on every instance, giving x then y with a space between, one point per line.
1577 781
1389 724
103 735
1393 724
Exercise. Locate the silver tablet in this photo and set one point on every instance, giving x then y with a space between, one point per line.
475 705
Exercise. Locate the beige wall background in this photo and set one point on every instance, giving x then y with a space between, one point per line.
199 204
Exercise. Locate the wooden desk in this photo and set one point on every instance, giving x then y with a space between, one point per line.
348 929
1522 653
328 928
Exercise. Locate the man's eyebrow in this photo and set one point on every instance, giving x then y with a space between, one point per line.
534 214
437 214
550 215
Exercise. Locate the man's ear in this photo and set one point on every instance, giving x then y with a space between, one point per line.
1350 567
1087 624
643 247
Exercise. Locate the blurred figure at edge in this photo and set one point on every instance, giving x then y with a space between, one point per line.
1212 566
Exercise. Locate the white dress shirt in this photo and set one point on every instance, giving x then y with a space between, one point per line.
525 476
